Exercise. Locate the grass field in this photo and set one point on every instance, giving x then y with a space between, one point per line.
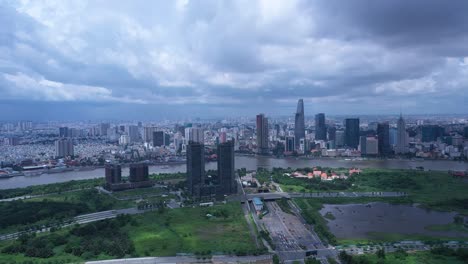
189 230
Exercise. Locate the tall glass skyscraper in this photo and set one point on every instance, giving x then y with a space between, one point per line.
402 137
262 134
320 127
352 132
299 123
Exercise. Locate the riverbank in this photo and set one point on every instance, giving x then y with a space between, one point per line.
248 162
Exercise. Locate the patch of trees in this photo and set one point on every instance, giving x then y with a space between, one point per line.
103 237
384 180
32 246
51 188
22 213
48 212
461 253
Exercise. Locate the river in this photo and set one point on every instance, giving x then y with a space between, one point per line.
249 162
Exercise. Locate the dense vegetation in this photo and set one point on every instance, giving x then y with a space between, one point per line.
51 188
86 242
48 211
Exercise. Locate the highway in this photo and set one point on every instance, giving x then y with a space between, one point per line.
279 195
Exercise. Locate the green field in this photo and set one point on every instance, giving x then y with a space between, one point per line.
189 230
157 233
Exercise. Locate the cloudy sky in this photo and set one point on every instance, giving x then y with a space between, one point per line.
176 59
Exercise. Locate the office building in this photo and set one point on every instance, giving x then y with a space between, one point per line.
340 138
290 145
138 172
64 148
393 136
362 144
299 123
320 127
195 167
63 132
352 132
113 174
402 137
383 135
331 133
159 139
262 134
226 167
430 133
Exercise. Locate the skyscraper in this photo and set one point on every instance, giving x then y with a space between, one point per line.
383 133
262 134
352 132
402 137
195 167
299 123
290 144
320 127
227 184
64 148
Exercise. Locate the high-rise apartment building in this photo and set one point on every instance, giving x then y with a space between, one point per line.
133 133
195 167
64 148
195 134
299 123
262 134
320 127
63 132
352 132
148 133
226 167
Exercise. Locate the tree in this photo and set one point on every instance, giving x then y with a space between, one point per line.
381 253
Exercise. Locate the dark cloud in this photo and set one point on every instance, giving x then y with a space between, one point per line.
182 58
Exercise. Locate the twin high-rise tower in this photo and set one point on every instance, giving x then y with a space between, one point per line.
199 185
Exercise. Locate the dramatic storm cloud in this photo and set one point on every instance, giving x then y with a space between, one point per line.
159 59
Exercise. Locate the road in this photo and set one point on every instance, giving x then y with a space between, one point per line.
279 195
80 219
187 259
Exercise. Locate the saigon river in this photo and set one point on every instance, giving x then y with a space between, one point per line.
248 162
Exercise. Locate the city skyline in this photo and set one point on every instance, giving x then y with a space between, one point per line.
169 59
